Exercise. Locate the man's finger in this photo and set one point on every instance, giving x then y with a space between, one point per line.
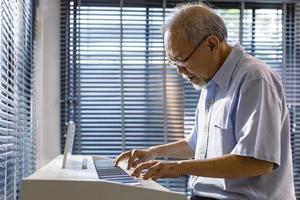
137 171
121 157
133 156
159 174
152 171
135 163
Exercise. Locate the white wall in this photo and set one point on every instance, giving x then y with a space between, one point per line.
48 81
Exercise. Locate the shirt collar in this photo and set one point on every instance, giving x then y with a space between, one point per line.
223 75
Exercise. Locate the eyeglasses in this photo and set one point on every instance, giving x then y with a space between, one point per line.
183 61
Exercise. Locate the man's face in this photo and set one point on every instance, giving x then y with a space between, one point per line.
189 60
197 82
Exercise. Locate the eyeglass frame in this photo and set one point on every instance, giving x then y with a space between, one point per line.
183 61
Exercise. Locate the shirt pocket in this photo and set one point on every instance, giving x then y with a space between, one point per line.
223 128
223 137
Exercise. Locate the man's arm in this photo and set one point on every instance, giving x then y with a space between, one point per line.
179 149
227 166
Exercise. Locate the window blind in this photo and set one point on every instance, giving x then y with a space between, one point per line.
17 136
117 86
291 77
123 98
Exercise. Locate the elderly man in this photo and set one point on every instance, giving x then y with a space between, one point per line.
241 140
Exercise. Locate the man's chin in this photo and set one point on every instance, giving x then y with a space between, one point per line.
199 84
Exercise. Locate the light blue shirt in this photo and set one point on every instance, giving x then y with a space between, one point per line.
243 111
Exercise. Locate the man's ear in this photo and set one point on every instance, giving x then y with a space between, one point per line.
213 42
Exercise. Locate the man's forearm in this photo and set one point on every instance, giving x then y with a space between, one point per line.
227 166
179 149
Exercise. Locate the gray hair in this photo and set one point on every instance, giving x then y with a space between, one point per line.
193 21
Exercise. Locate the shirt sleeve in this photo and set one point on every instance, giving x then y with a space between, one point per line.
191 139
258 121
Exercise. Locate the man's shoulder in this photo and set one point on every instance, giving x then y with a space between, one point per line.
254 68
251 68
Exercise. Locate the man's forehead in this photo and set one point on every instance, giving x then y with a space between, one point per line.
174 45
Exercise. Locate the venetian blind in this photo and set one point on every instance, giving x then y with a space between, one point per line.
291 78
17 136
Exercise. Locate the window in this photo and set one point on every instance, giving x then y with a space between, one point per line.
17 131
117 86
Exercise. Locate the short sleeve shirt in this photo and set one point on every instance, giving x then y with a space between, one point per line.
243 111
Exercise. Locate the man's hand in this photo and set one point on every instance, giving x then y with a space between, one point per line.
135 157
158 169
